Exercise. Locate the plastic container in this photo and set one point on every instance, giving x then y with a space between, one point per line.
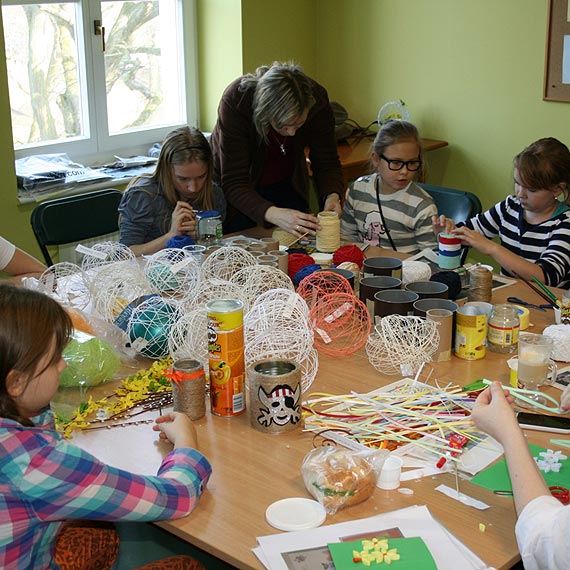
209 228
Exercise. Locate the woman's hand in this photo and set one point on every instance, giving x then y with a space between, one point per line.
494 414
332 204
183 220
177 428
441 224
293 221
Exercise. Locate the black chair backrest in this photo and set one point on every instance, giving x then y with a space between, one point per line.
75 218
455 204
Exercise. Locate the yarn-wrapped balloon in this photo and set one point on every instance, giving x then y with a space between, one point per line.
320 283
350 253
298 261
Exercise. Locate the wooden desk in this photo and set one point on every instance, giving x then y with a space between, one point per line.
355 157
251 470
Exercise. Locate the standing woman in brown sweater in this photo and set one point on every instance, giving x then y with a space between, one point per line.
265 122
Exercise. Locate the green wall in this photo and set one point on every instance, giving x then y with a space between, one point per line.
470 72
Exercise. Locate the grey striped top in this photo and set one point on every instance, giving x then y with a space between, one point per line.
407 213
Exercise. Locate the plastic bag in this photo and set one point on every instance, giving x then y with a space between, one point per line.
90 361
338 477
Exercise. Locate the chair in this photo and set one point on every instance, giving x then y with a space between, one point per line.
75 218
455 204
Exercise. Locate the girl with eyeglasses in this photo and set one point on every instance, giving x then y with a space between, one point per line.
533 225
157 207
387 208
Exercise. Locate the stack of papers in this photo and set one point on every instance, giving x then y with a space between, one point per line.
308 549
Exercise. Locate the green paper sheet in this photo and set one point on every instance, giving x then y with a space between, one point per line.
413 553
496 477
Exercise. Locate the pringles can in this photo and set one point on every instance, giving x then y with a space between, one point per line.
226 357
471 333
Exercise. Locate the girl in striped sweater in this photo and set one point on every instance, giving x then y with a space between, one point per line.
533 225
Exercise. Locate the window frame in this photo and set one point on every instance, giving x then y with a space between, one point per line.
96 145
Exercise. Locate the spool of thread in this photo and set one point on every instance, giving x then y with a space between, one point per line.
350 253
188 388
328 237
480 285
449 247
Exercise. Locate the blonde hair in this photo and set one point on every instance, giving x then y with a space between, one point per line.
282 94
181 146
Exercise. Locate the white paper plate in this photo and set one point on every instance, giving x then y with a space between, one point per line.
295 513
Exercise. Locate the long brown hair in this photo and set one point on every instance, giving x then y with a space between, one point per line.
32 323
181 146
544 164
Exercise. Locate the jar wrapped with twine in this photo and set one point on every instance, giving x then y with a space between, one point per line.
480 285
328 237
188 388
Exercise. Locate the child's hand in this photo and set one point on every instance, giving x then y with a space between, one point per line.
493 413
565 399
474 239
183 220
441 224
177 428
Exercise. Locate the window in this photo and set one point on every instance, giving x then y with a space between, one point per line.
92 77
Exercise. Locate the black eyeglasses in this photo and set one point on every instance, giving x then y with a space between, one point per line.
411 165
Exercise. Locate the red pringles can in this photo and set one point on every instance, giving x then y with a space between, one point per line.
226 357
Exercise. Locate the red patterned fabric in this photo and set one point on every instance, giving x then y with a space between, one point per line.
174 563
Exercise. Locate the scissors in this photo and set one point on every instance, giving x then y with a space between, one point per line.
560 493
518 301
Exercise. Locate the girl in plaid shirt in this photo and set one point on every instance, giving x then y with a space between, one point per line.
44 479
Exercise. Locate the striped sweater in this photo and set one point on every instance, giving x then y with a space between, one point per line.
407 214
547 244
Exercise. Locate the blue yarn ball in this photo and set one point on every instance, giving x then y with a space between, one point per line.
304 272
179 241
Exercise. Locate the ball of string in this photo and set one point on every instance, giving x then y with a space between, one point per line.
105 253
66 283
297 261
150 325
225 262
275 328
413 270
189 336
341 324
350 253
322 283
211 290
172 272
115 286
305 271
257 279
400 345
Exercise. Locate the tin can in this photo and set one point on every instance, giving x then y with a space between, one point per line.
188 388
471 333
226 357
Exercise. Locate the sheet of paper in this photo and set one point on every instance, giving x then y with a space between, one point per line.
412 521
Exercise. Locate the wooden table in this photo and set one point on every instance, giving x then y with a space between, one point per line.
355 156
251 470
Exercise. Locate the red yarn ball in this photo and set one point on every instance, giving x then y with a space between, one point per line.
349 253
298 261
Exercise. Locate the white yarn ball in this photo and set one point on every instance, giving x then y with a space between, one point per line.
560 334
415 271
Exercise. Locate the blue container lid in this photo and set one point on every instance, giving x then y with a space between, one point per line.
208 214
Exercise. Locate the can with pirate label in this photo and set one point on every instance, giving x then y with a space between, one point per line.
274 396
226 357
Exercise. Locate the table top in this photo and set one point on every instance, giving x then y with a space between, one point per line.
251 469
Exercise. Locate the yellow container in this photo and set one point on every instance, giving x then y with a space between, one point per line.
471 333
